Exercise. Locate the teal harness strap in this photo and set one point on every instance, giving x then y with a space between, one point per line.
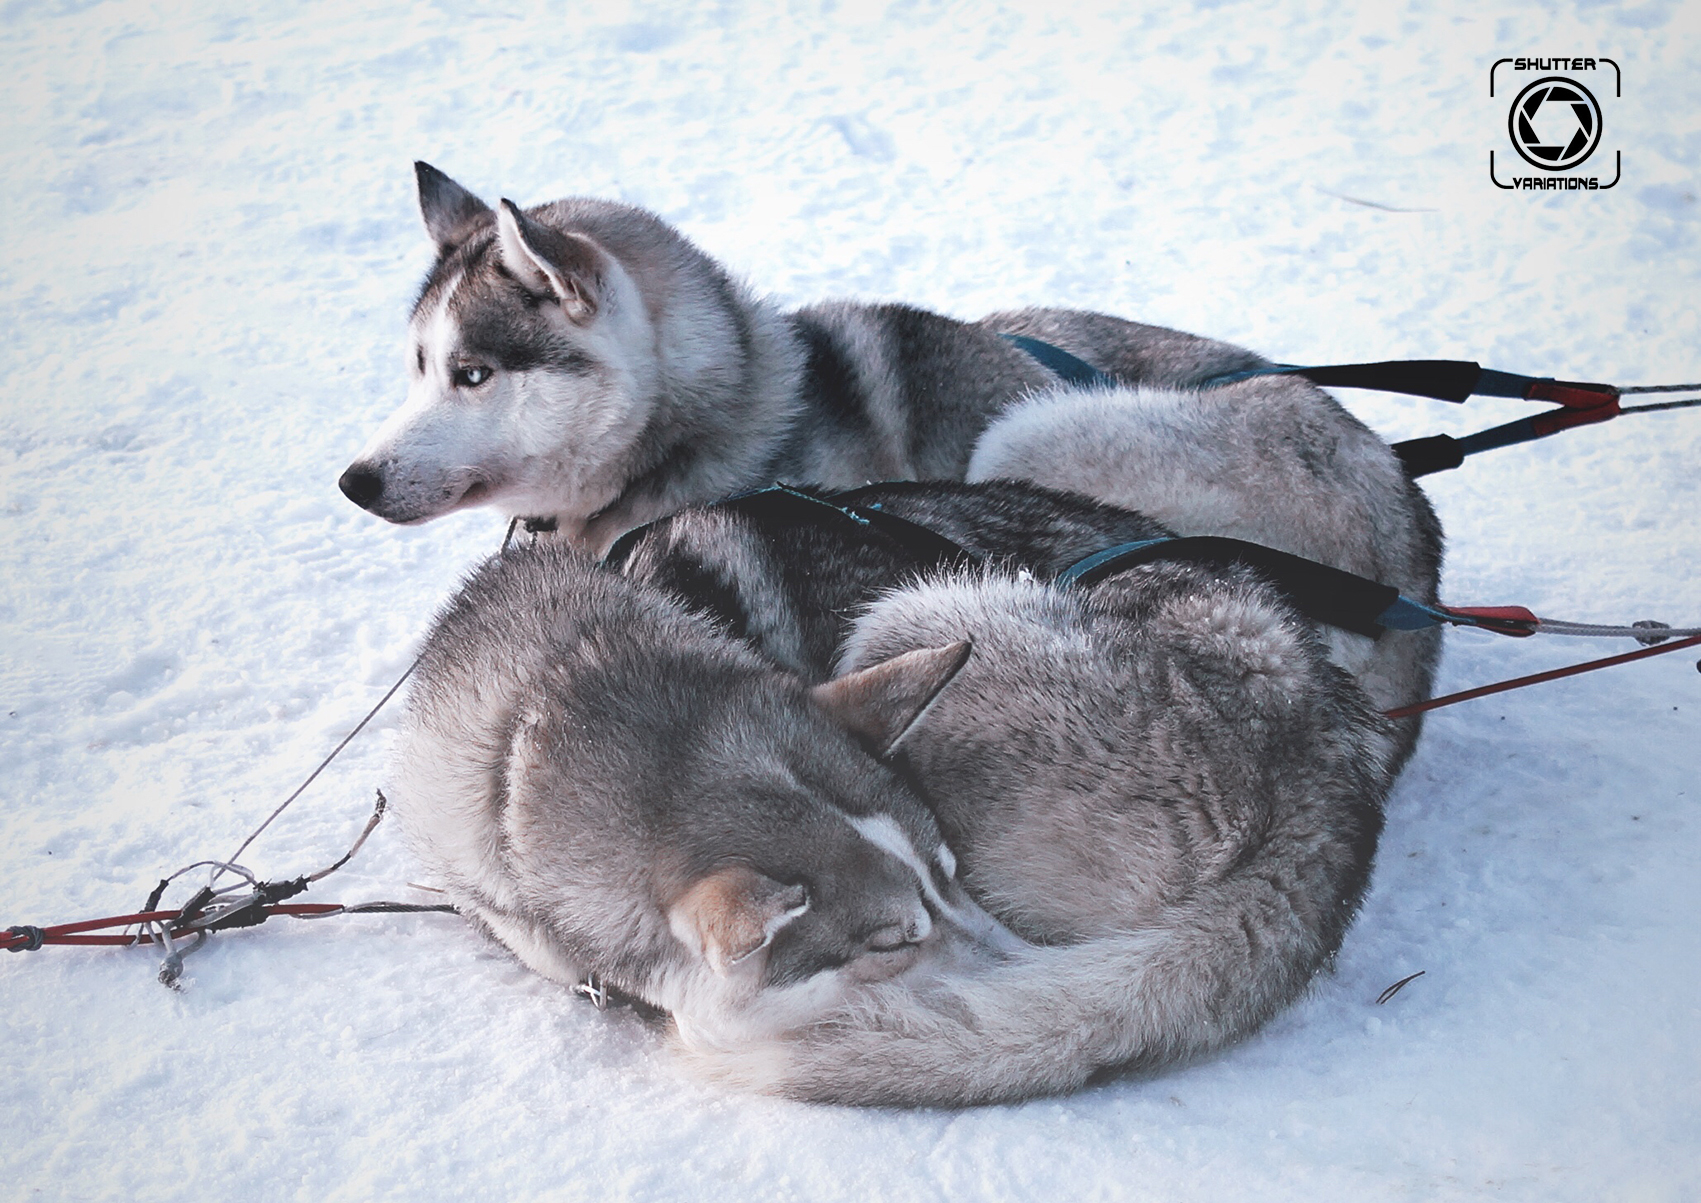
1092 569
1060 363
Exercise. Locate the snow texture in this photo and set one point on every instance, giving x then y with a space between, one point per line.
208 245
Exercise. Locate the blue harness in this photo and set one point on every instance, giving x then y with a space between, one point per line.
1072 370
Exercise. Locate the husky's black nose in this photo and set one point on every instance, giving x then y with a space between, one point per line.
361 485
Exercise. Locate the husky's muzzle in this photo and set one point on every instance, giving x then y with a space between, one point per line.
365 484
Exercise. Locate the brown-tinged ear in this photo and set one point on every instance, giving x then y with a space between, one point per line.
733 913
881 704
448 208
568 266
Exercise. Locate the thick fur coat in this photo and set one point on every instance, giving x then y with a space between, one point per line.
584 365
1160 784
623 795
1164 786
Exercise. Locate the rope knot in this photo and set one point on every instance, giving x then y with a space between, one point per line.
33 937
1651 625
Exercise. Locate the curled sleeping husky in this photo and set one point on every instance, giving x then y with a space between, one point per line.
1160 783
622 794
582 364
1163 785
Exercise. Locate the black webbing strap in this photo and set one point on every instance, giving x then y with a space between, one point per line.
1442 379
1581 402
1325 594
787 506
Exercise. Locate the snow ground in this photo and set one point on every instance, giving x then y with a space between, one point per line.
207 248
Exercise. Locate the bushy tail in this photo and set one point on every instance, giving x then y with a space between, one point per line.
1045 1020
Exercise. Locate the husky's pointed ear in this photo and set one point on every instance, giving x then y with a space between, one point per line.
568 266
880 704
448 208
733 913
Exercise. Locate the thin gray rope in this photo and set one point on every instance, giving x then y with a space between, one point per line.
336 751
1661 388
314 775
1645 632
1648 409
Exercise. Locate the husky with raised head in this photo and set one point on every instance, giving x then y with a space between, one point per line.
582 364
622 794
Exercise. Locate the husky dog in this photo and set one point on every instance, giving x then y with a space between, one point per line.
1160 782
620 793
582 364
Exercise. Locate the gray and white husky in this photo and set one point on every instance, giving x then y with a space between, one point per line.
622 794
1159 782
581 363
1162 784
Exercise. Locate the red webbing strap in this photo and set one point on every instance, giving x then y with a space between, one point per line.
1573 395
1502 620
1555 420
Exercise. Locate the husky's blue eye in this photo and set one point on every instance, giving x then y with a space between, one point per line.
471 377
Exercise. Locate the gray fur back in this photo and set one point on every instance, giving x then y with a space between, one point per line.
1105 755
1165 785
1274 461
892 392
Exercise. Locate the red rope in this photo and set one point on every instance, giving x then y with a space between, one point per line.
67 933
1537 678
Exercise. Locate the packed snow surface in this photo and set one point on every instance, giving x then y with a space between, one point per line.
209 250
